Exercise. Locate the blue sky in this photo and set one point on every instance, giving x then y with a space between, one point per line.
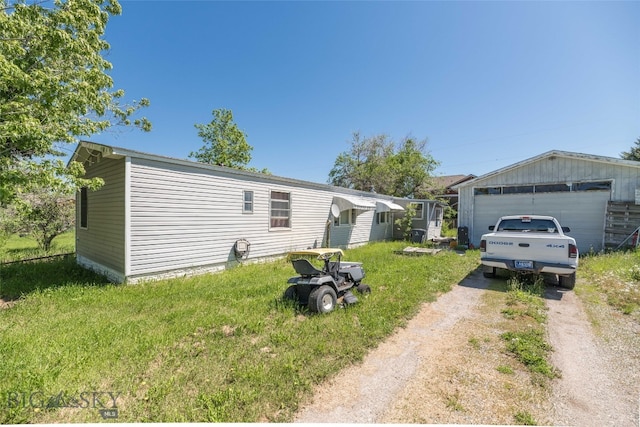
487 84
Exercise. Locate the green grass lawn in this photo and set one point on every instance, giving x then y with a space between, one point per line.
17 248
221 347
614 277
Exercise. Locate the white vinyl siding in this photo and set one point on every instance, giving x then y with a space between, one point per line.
178 222
355 228
161 217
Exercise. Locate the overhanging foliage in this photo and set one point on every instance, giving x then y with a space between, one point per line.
54 89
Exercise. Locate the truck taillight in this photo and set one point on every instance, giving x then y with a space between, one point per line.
573 251
483 245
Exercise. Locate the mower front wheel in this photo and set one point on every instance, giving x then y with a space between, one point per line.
364 289
322 299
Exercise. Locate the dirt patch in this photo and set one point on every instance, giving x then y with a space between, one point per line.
7 303
448 365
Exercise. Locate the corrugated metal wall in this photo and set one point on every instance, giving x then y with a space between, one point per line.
554 169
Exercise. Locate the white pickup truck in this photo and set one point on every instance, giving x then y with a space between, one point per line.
530 244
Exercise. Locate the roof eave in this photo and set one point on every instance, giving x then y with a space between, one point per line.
550 154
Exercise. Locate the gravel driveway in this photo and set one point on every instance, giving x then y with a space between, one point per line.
441 368
600 382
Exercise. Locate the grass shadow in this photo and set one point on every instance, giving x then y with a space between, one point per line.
21 279
475 280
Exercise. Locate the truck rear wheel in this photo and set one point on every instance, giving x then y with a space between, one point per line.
567 282
322 299
489 272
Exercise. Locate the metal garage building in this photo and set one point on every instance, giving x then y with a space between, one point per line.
578 189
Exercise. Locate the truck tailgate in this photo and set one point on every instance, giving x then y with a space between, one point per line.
526 247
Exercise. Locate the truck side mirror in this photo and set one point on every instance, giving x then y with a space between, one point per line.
566 229
492 227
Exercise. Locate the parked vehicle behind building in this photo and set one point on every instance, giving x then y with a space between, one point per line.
533 244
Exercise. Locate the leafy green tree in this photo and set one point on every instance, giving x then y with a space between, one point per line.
5 227
633 153
412 169
375 164
364 166
42 214
55 88
224 143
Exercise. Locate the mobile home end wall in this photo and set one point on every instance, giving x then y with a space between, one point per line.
100 246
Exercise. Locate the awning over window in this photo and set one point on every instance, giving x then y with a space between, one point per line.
345 202
387 206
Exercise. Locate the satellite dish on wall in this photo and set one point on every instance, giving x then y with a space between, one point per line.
335 210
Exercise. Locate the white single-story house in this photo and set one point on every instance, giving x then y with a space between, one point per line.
158 217
594 196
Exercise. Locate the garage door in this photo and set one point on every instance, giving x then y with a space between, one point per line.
582 211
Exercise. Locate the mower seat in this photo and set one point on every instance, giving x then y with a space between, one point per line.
304 268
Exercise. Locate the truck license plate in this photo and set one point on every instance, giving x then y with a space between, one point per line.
524 264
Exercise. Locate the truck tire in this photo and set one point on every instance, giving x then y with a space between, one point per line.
489 272
322 299
567 282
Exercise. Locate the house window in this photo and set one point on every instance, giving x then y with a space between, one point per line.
280 216
382 217
346 217
419 207
83 207
247 197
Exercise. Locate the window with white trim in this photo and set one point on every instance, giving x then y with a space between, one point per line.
346 217
382 217
247 205
280 212
419 207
